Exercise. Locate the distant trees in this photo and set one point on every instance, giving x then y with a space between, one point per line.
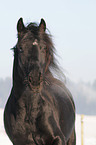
94 85
5 88
84 95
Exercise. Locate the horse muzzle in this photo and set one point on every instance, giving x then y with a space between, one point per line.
34 77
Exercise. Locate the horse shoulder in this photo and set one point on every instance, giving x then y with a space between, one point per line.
8 113
66 108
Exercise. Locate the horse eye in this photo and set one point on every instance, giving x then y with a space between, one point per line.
20 49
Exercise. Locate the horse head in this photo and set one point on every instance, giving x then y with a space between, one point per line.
33 52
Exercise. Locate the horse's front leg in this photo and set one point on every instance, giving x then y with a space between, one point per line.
58 141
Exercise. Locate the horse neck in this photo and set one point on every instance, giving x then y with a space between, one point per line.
48 76
17 82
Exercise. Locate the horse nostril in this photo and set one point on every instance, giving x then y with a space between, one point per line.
39 75
30 79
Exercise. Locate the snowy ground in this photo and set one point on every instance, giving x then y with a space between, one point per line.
4 140
89 130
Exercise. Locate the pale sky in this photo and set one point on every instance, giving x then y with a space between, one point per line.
72 24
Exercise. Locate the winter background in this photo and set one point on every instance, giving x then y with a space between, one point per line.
73 26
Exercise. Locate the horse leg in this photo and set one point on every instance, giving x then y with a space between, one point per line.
72 139
58 141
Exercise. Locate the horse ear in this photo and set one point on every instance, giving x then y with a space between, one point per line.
42 25
20 25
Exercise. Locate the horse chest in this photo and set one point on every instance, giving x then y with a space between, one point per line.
28 110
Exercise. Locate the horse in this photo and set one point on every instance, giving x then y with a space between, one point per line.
40 109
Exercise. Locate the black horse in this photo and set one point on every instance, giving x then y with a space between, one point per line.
40 109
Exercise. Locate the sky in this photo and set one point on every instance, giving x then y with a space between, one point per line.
72 24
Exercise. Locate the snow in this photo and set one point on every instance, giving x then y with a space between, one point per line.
89 129
89 123
4 140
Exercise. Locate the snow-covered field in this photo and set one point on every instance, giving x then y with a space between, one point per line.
89 130
4 140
